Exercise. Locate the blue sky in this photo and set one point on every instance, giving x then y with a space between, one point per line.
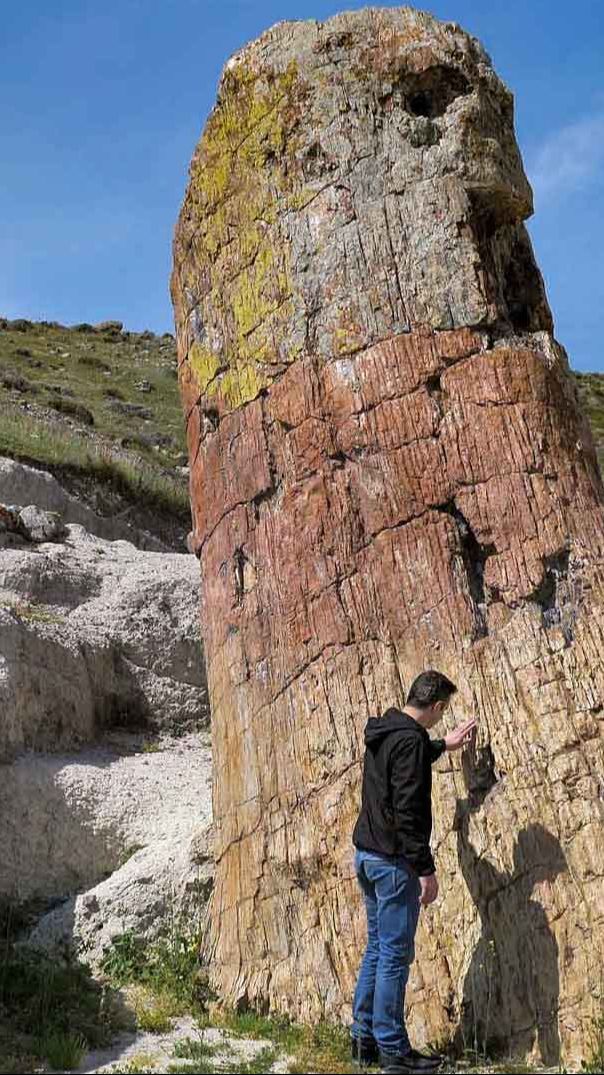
104 100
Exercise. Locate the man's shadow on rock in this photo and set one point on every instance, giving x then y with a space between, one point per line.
512 987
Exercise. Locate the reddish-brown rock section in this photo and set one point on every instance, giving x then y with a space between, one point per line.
389 471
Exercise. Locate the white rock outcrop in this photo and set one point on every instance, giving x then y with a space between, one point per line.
121 841
95 635
22 485
105 762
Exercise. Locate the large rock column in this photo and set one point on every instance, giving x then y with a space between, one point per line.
389 471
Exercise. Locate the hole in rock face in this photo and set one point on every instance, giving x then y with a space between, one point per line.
434 384
431 92
558 604
420 104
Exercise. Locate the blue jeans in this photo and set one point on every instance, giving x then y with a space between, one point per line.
392 899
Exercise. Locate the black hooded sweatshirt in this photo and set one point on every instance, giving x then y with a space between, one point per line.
396 811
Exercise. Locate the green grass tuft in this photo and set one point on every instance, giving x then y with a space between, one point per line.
63 1049
51 1012
595 1062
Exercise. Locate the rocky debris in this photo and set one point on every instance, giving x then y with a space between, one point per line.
96 635
117 838
18 525
72 408
389 471
157 1052
40 526
23 485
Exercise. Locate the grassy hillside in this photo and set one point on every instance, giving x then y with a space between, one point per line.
98 404
591 394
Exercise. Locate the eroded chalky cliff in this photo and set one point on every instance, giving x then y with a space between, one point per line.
389 471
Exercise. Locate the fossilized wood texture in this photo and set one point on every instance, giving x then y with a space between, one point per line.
389 471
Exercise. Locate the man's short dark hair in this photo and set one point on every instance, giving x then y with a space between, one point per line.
429 688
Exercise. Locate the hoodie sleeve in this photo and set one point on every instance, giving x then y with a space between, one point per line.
437 749
411 805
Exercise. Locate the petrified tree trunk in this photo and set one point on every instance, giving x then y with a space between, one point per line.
389 471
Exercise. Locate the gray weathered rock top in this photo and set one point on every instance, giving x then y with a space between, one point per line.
356 178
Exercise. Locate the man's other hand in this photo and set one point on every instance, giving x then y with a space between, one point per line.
429 889
461 737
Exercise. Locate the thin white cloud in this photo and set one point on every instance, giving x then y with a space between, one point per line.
570 159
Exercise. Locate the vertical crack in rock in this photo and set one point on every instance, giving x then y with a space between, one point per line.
245 574
474 555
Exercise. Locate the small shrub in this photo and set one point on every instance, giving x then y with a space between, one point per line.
63 1050
72 408
128 853
260 1064
94 362
16 383
168 968
51 1011
596 1059
126 960
153 1014
139 1065
31 612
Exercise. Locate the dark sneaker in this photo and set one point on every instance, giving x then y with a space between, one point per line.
364 1051
412 1063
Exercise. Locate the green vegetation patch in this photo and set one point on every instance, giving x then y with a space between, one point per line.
100 403
51 1013
168 969
591 395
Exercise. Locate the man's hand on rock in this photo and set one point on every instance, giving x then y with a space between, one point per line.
429 889
461 737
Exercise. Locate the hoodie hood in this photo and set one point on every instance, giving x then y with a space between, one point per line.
394 720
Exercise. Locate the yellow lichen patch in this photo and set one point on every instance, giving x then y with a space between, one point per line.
348 335
204 364
245 129
299 199
259 292
240 384
243 176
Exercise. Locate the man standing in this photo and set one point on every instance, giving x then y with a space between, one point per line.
395 868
